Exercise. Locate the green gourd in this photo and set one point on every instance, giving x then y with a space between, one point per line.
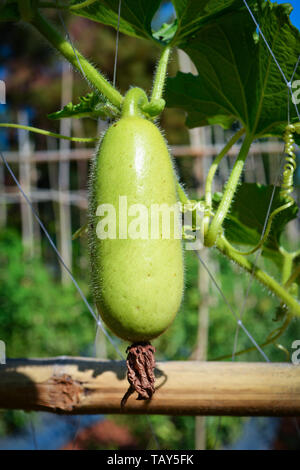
137 283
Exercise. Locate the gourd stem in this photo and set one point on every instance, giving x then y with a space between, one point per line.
231 186
160 76
76 59
134 99
280 291
157 104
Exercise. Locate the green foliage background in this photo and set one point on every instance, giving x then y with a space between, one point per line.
40 317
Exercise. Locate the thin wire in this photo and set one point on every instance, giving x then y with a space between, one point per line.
99 323
71 43
266 42
239 321
256 260
117 44
288 83
296 66
288 107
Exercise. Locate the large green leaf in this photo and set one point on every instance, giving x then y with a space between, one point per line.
238 79
136 15
245 222
193 15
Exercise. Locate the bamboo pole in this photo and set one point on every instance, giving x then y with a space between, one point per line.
87 386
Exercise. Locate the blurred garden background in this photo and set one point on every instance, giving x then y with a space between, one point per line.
41 313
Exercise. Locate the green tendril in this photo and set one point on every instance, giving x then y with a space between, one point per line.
287 186
50 134
78 6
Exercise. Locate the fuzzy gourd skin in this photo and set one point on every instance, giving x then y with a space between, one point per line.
138 284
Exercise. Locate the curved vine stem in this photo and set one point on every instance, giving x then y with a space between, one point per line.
231 186
280 291
50 134
77 59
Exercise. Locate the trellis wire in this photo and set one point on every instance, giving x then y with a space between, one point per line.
117 44
288 83
99 323
241 313
239 322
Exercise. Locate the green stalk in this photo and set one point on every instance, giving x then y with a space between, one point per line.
280 291
133 102
160 76
231 186
82 5
77 59
157 103
49 134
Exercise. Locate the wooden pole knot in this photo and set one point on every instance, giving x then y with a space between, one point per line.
64 392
